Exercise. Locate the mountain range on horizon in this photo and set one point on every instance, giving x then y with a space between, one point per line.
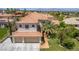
48 9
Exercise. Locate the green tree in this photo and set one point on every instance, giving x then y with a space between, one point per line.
68 43
47 28
10 10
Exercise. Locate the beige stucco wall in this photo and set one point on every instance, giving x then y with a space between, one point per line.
30 29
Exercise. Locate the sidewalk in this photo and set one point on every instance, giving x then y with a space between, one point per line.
45 45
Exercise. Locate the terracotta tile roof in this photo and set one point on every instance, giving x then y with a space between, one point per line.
40 16
5 15
33 17
8 15
26 34
28 20
17 15
3 20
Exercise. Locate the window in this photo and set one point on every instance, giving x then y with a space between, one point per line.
33 25
20 25
26 26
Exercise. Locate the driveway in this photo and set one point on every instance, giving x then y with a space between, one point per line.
7 45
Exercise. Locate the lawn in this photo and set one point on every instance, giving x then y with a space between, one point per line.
54 46
3 33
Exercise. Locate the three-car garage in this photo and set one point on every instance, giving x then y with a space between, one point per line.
27 40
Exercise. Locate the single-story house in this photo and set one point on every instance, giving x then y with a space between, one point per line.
72 21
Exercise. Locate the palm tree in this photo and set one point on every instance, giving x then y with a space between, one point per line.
10 29
7 10
10 10
48 29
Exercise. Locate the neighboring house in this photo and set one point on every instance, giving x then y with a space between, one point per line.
29 30
72 21
4 18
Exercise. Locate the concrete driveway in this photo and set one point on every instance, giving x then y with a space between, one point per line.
7 45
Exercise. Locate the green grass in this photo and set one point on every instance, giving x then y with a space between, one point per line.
76 48
3 32
54 46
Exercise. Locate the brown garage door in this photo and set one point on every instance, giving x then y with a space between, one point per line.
31 40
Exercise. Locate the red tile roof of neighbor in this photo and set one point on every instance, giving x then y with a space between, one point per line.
5 15
26 34
3 20
8 15
33 17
